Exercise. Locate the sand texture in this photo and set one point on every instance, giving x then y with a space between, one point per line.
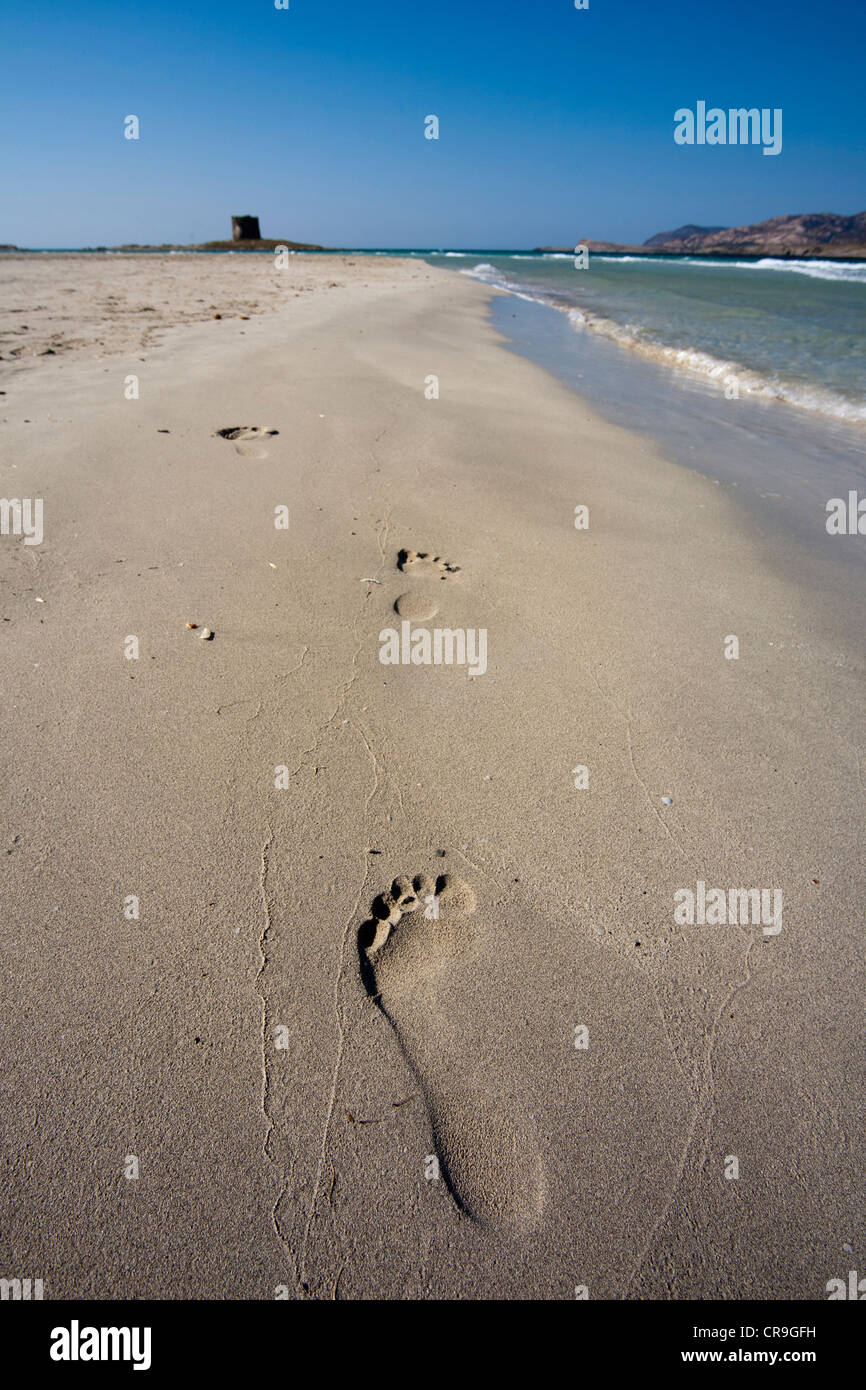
319 940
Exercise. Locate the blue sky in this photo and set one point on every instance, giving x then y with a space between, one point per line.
555 123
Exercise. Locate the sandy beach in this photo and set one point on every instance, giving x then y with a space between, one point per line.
239 1063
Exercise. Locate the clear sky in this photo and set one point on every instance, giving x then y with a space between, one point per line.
555 123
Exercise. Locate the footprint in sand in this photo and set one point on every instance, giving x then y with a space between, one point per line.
415 953
424 565
419 607
238 433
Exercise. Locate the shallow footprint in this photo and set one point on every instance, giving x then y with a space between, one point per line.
417 607
425 565
236 433
418 935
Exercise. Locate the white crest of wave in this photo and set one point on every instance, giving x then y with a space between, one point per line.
852 271
705 364
483 271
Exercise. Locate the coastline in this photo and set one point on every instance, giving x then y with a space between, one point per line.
777 464
684 323
155 777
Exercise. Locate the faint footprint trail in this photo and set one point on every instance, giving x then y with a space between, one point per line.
418 934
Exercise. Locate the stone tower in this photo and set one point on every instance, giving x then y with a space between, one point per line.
245 228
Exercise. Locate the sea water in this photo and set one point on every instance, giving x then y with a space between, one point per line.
790 439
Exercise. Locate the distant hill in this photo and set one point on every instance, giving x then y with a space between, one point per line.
821 235
681 233
825 234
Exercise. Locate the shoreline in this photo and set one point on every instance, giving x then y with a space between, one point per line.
780 475
267 246
704 363
156 777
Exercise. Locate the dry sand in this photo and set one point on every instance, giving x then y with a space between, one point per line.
286 1092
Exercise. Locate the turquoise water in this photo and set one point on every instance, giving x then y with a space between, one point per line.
793 331
780 463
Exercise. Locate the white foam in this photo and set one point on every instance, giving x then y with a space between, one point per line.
486 272
632 336
853 272
772 387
